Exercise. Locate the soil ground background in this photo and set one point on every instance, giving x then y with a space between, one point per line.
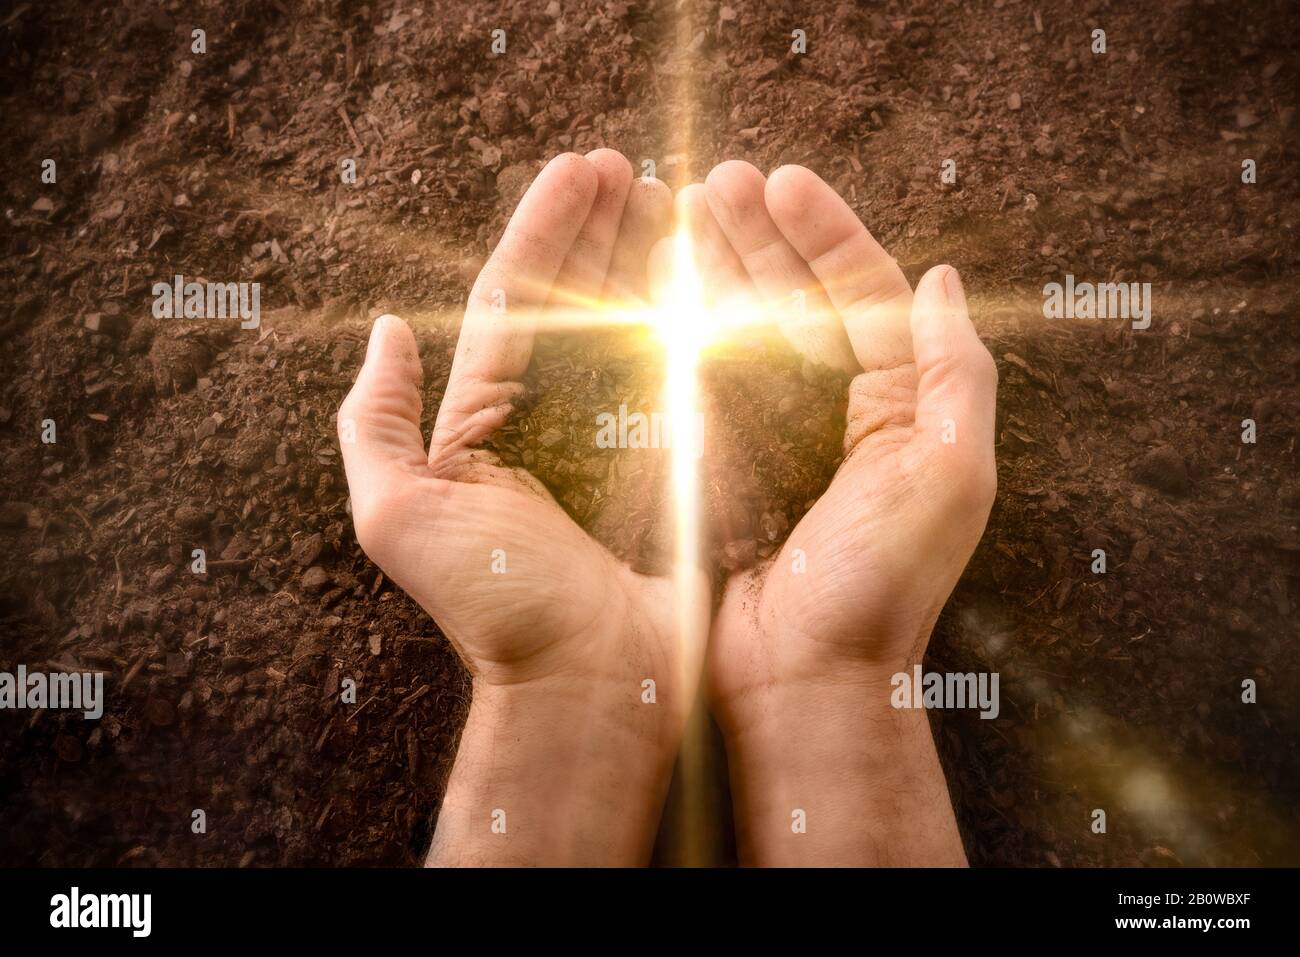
1119 691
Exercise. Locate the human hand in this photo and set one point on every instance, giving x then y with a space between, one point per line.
557 634
803 648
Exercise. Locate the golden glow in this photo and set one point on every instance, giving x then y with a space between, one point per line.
684 324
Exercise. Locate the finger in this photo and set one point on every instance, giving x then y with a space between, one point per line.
659 267
735 192
724 276
863 281
582 276
496 338
379 421
957 378
647 215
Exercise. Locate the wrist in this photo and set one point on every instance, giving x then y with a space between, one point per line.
810 686
608 715
795 720
557 771
826 771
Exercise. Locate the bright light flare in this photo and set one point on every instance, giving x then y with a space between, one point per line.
683 324
682 321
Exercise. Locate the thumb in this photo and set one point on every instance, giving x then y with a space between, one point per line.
379 421
956 377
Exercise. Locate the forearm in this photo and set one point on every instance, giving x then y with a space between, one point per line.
865 776
556 774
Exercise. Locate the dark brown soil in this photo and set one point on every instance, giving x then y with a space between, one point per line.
775 427
1120 691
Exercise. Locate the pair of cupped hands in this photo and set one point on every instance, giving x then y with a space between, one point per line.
563 759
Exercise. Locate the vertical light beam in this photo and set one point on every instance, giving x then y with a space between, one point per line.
684 325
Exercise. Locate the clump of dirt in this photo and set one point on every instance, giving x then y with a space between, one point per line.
578 432
775 434
596 430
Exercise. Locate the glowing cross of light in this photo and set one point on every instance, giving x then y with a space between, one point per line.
683 321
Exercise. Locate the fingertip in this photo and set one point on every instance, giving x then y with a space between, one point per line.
613 176
732 170
712 249
653 196
646 216
734 179
654 191
383 328
392 324
391 340
792 191
610 162
942 327
931 283
734 190
941 285
566 161
571 172
688 201
953 287
791 171
659 266
654 185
